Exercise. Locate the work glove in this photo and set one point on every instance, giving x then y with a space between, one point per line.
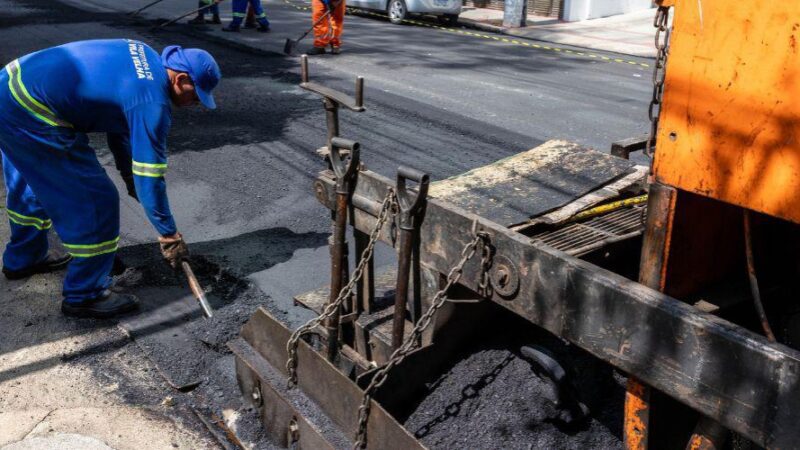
173 249
128 179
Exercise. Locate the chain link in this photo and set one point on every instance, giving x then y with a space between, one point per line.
411 342
388 208
663 33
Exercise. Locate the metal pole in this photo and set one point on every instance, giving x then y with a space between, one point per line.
401 289
337 278
345 173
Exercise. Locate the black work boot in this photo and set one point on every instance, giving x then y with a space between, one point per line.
316 51
106 305
231 29
199 20
215 20
263 29
250 24
51 263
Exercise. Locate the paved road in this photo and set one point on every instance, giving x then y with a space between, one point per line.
240 177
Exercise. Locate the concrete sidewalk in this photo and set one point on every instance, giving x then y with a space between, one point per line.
628 34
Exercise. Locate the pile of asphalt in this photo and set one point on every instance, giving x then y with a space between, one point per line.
493 397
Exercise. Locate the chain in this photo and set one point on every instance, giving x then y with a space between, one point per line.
663 32
410 343
388 207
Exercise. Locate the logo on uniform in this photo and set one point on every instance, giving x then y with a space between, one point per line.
139 59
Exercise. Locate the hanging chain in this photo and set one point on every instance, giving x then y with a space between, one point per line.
388 208
662 39
469 250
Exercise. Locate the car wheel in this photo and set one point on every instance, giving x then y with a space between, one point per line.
448 19
397 11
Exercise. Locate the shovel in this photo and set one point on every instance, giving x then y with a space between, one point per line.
197 290
290 46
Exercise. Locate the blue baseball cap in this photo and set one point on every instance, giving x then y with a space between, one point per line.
200 66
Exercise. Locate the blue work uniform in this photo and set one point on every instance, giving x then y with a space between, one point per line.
239 8
49 101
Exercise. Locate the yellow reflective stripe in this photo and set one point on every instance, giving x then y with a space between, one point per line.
24 217
26 100
149 169
89 255
28 221
89 250
239 15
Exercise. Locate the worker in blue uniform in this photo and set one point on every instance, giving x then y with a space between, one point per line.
207 6
239 8
49 101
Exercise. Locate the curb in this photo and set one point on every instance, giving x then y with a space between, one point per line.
476 25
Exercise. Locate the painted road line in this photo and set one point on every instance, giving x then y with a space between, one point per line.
515 42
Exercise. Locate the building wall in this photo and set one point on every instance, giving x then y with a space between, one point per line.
575 10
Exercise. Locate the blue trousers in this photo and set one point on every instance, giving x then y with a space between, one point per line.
53 179
240 12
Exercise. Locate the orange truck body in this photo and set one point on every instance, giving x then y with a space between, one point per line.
731 104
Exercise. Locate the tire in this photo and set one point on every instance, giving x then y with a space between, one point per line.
450 20
397 11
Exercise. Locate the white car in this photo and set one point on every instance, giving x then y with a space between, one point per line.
398 10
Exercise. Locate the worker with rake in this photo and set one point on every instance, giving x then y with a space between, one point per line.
49 101
328 19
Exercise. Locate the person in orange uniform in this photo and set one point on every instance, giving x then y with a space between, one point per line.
327 31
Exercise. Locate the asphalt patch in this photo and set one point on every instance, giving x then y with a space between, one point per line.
170 327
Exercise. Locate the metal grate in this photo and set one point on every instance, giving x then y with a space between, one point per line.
578 239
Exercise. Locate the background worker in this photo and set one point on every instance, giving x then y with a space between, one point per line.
239 8
250 21
328 31
213 9
52 175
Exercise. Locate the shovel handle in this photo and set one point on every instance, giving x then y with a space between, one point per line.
197 290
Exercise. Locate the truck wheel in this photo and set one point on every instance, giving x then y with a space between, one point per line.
397 11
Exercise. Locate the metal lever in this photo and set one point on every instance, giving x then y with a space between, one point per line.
411 206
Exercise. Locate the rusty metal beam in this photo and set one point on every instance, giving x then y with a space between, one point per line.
723 371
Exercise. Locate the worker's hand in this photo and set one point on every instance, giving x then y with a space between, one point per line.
130 186
173 249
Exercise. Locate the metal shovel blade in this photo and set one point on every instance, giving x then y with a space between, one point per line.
289 47
197 290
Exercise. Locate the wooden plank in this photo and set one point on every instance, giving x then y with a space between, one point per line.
531 183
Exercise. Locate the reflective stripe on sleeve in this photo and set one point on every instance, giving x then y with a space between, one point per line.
149 170
87 251
24 98
28 221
